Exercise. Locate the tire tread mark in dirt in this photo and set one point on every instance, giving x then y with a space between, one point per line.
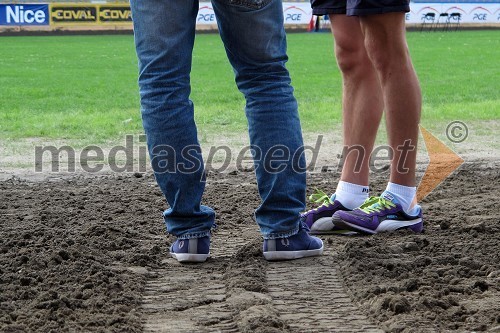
188 298
309 295
226 294
243 293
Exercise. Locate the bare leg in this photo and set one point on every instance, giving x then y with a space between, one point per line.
362 104
385 42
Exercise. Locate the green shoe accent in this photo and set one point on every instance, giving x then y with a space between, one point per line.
320 197
376 204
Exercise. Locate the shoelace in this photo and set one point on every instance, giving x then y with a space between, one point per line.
376 204
318 197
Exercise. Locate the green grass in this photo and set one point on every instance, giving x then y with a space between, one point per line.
84 87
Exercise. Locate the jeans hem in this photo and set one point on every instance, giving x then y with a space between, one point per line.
282 234
199 234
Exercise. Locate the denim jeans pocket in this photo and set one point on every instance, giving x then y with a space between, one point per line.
250 4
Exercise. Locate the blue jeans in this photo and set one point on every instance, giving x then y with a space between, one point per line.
255 43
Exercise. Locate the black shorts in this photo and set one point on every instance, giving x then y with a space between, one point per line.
359 7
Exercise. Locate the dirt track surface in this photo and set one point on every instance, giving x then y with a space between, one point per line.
91 254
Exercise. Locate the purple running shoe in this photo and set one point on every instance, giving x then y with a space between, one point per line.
379 214
319 220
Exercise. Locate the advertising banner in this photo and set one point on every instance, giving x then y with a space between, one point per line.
454 13
294 13
206 15
115 14
24 14
73 14
297 13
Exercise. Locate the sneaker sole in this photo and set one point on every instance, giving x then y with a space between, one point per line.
345 232
290 255
325 226
189 257
385 226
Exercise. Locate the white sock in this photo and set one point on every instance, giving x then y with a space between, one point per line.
351 195
404 194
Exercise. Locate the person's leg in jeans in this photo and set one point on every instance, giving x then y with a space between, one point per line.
164 37
164 33
255 42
